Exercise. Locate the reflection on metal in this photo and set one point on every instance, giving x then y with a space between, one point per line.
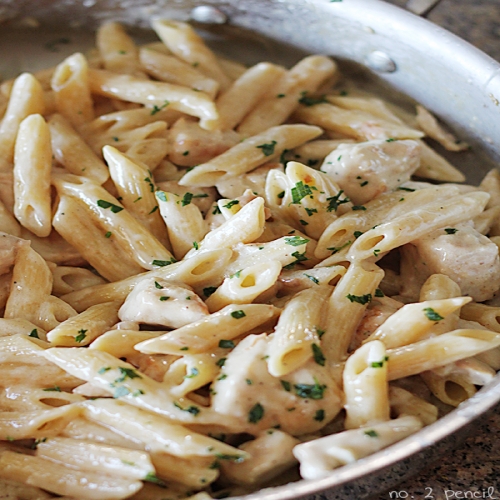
379 61
421 7
208 15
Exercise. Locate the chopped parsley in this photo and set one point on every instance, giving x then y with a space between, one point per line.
186 199
300 191
216 210
238 314
303 222
161 195
376 251
311 211
359 207
402 188
194 373
334 201
231 204
157 109
318 355
121 391
226 344
371 433
432 314
125 374
220 363
237 274
286 385
312 278
104 369
338 249
195 245
267 149
81 335
296 241
34 333
194 410
163 263
185 348
106 204
151 477
164 298
357 234
108 234
310 391
281 195
364 183
311 101
320 331
360 299
451 230
248 381
56 388
377 364
379 293
319 415
256 413
157 285
391 139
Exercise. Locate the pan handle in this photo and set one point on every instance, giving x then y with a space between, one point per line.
421 7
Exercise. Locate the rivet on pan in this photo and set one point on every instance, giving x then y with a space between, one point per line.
381 62
209 15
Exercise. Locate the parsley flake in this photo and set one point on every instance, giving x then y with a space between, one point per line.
81 335
256 413
300 191
231 204
310 391
360 299
163 263
334 201
157 109
268 149
106 204
296 241
319 416
371 433
319 358
238 314
226 344
432 314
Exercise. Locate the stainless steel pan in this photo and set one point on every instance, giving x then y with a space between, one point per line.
382 46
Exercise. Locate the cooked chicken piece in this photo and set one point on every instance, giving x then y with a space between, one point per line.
156 301
466 256
368 169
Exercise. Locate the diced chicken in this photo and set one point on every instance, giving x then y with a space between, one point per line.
246 390
466 256
156 301
368 169
191 145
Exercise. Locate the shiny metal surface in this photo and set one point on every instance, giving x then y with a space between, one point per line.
457 82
